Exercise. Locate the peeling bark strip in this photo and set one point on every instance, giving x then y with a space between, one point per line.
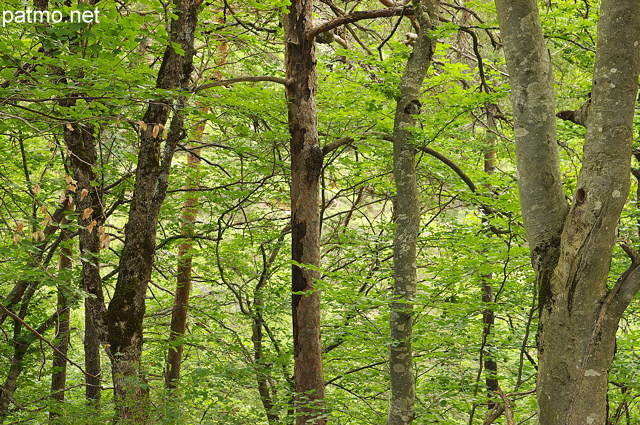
402 400
127 307
306 165
571 251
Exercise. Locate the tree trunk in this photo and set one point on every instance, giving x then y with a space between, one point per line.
11 381
127 307
183 275
21 343
59 363
263 374
81 143
571 248
490 365
306 166
402 400
21 296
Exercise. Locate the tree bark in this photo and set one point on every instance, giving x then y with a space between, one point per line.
59 363
402 400
183 275
490 364
81 143
571 248
127 307
306 166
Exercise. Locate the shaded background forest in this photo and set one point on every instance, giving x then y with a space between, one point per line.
225 222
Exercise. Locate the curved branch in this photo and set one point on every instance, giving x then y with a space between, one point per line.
476 51
358 16
336 144
449 163
268 78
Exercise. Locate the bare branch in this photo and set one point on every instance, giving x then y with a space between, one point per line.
456 169
358 16
337 144
230 81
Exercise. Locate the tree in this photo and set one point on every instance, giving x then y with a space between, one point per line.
402 400
81 161
59 362
306 165
126 309
571 245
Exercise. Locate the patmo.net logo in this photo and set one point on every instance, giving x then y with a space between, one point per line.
29 16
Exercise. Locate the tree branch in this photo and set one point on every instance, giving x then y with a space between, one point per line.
268 78
46 341
358 16
337 144
449 163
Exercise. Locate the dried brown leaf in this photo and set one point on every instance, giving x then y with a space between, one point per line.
87 213
91 226
104 242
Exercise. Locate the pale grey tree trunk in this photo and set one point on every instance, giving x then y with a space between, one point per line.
571 246
402 400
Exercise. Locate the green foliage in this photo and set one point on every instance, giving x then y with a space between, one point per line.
468 238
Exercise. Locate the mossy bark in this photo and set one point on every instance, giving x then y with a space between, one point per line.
402 399
571 247
127 307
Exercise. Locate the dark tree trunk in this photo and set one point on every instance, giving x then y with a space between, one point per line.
306 165
11 381
21 296
81 143
263 369
127 307
22 340
59 363
490 364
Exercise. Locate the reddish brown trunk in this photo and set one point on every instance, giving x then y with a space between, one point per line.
183 287
306 165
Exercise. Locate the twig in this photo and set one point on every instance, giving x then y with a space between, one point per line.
393 31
